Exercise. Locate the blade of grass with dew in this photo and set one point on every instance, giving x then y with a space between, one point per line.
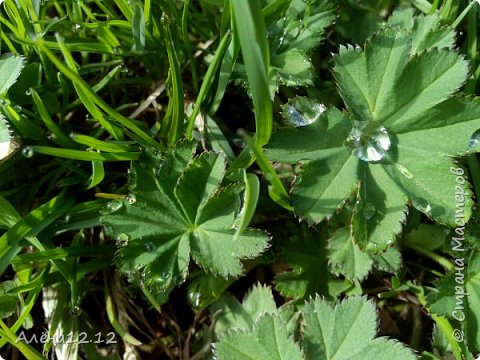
84 155
101 145
207 82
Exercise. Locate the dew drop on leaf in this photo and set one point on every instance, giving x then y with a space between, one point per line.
150 247
114 205
296 117
474 140
369 141
194 298
162 279
369 211
131 199
122 239
75 311
27 152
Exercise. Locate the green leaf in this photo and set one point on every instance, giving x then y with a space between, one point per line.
291 69
427 30
267 340
305 253
242 316
395 141
177 209
8 146
388 261
346 258
347 331
10 68
380 209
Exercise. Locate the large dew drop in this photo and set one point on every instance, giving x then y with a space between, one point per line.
369 141
302 111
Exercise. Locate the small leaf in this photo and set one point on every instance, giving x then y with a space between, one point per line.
346 258
242 316
268 340
347 331
10 68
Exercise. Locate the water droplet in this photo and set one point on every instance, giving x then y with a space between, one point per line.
474 140
162 279
67 218
294 117
369 211
27 152
78 27
423 206
17 108
114 205
150 247
131 199
29 92
369 141
404 171
194 298
122 239
75 311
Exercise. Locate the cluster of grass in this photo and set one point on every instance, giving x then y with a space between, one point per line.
104 79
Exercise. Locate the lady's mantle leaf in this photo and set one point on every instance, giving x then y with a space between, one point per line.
242 316
178 209
10 68
347 331
395 141
268 340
